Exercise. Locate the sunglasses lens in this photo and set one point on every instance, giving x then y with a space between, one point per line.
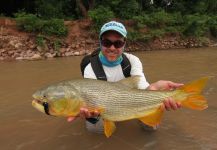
117 44
106 43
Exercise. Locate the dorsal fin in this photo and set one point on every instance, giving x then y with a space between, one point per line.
134 82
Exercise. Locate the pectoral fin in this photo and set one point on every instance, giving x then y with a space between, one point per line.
109 128
153 118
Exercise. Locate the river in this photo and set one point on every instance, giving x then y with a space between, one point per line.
23 128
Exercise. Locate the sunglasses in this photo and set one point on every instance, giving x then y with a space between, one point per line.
117 44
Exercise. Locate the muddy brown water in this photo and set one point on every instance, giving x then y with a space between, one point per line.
23 128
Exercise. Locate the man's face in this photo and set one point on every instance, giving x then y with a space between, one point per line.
112 45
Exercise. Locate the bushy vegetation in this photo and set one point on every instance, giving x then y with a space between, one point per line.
162 22
40 40
195 25
100 16
186 17
212 22
32 23
55 8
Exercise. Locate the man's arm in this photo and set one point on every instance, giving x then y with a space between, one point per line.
89 73
137 70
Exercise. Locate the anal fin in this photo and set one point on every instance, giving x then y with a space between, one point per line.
153 118
109 127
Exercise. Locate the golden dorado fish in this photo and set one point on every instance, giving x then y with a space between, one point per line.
117 101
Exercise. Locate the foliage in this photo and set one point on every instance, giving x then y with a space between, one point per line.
137 36
122 8
195 6
126 9
212 7
204 41
28 22
54 27
40 41
159 23
31 23
100 16
134 36
55 9
157 33
190 18
159 19
212 23
57 45
195 25
48 9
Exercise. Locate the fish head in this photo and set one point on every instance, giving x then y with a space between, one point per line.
60 100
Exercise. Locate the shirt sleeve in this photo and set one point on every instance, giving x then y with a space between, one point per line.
137 70
88 72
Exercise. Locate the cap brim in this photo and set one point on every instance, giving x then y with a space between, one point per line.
119 32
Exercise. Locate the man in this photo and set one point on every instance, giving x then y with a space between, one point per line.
110 59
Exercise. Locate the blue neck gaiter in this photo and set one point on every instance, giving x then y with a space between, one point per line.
108 63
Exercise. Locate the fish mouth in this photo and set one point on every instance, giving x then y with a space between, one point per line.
41 106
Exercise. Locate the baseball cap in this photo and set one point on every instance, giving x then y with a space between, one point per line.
115 26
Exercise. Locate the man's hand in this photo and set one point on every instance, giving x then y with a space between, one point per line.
168 103
84 113
164 85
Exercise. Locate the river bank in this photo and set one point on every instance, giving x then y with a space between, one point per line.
18 45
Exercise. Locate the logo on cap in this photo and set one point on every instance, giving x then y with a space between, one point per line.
115 26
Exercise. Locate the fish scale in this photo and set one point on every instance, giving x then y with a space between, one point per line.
123 103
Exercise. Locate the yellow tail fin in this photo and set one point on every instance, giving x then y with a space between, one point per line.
195 100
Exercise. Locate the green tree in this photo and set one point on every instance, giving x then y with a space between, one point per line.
100 15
